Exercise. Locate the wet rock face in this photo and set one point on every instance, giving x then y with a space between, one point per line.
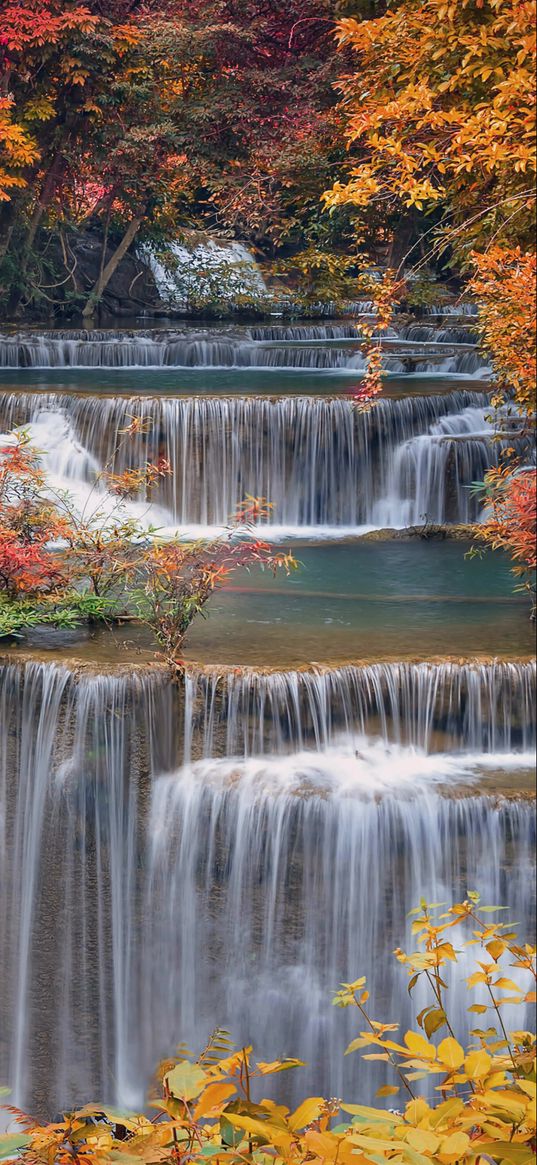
132 288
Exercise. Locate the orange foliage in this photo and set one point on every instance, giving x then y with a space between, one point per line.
50 551
440 113
504 284
385 294
30 32
27 527
513 522
440 109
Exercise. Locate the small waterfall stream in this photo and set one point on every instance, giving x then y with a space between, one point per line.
315 347
228 854
321 462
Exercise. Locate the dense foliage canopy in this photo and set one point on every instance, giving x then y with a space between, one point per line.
145 118
440 111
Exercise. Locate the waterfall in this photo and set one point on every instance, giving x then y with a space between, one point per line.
461 308
74 767
312 347
307 885
321 462
205 272
227 854
431 334
431 474
473 708
305 332
214 349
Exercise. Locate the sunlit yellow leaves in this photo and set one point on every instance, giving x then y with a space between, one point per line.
506 984
270 1068
265 1131
477 1065
496 948
454 1147
212 1099
441 107
477 977
186 1080
422 1140
419 1046
306 1113
486 1109
450 1053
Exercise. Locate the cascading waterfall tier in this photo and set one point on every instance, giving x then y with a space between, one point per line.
477 708
420 333
215 349
312 347
228 853
321 462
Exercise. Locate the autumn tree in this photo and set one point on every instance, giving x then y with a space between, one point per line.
479 1104
440 116
138 120
440 113
63 565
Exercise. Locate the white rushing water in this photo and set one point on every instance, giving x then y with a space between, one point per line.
312 347
326 467
209 271
228 849
171 861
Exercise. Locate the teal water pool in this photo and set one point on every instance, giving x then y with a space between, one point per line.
221 381
351 602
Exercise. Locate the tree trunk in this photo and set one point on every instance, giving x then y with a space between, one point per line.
7 225
105 276
48 191
44 200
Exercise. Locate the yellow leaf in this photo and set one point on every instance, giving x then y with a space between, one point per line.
416 1110
323 1145
515 1154
266 1131
419 1046
454 1147
214 1095
477 977
447 1111
306 1112
495 948
422 1140
477 1064
387 1090
370 1113
450 1053
186 1080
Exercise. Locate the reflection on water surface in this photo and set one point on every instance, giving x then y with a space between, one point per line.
361 601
